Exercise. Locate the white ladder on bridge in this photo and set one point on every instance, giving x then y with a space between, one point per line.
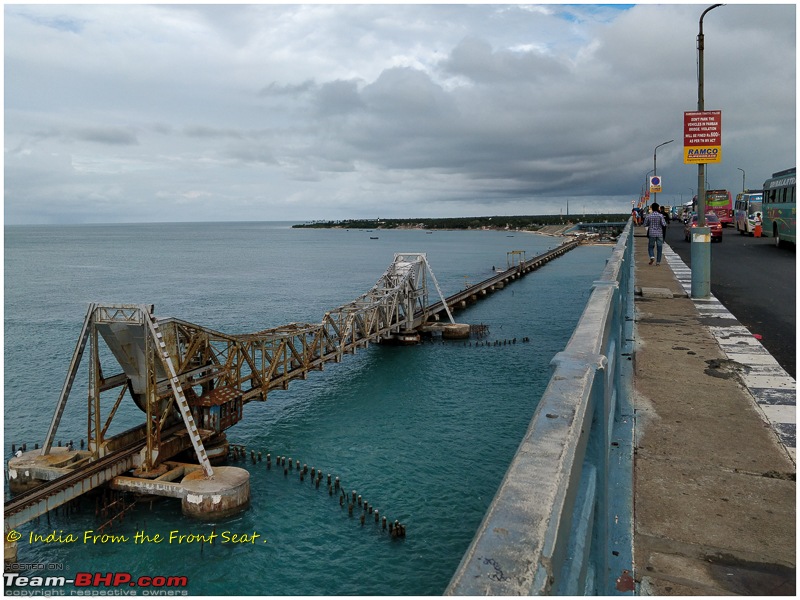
180 397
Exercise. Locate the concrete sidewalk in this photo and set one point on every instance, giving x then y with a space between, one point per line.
714 486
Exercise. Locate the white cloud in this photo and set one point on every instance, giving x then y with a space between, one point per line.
205 112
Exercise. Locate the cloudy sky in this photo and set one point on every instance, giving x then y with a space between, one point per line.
137 113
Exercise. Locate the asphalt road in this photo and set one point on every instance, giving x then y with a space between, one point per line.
756 283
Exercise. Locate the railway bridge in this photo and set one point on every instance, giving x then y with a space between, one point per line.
191 383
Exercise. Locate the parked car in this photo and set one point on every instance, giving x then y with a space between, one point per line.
712 222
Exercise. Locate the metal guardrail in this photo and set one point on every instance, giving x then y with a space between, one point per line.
561 521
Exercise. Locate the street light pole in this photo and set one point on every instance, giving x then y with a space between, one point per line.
742 170
646 184
655 172
701 237
701 102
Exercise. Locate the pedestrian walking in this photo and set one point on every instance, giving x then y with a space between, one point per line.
656 225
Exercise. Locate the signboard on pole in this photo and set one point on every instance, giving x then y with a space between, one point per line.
702 136
655 184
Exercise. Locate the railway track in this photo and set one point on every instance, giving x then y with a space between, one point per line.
41 499
523 268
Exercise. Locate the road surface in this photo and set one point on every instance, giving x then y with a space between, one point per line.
756 283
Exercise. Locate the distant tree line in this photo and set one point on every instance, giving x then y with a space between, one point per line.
529 223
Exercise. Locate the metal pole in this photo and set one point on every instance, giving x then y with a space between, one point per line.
742 170
655 194
646 184
701 237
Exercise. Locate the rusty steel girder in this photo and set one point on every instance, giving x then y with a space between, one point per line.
168 366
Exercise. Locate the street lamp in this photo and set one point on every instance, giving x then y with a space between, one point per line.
654 163
647 180
646 183
701 238
701 102
742 170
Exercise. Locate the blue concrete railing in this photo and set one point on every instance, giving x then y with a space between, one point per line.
561 521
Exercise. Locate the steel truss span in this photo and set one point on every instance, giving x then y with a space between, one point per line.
192 381
179 372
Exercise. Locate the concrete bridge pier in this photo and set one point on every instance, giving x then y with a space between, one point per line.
455 331
226 494
223 495
407 337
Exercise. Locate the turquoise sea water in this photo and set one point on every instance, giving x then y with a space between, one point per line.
423 433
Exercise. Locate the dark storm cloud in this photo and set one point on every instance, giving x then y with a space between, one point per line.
404 91
475 59
276 89
251 154
113 136
338 98
103 135
345 110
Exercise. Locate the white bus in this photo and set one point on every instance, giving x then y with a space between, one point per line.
745 209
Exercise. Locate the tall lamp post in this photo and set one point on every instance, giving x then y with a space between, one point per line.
646 184
701 237
742 170
655 172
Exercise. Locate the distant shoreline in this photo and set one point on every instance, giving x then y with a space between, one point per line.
528 223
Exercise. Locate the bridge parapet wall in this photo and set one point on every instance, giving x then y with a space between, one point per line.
561 521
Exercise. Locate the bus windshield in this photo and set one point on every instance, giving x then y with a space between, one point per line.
719 202
747 206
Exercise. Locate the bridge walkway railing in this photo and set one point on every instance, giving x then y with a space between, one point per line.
561 521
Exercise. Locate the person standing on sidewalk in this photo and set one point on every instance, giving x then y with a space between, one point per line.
757 225
655 225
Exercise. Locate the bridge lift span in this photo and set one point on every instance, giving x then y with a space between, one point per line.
191 381
178 371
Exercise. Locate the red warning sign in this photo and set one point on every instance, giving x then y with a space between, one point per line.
702 136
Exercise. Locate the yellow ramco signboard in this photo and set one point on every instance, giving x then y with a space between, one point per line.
702 136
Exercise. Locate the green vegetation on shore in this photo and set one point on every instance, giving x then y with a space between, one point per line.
526 223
